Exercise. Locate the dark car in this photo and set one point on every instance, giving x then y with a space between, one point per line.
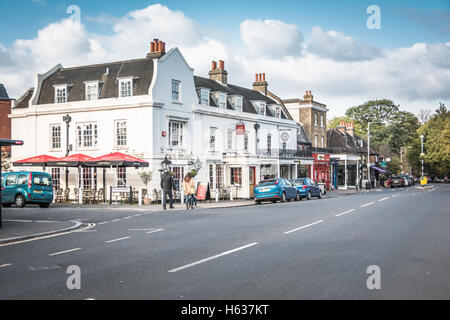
307 188
275 190
396 181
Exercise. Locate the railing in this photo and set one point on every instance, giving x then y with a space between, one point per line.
285 153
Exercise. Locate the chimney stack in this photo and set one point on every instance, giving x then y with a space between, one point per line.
157 49
342 127
308 97
218 74
350 129
260 83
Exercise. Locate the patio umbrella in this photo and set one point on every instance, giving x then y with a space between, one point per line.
74 160
37 161
116 159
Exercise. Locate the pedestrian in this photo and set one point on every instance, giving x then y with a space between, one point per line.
167 186
189 189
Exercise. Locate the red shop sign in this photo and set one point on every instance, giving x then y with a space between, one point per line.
240 129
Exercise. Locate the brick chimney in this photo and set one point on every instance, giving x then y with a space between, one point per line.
157 49
218 74
308 97
342 127
260 83
351 129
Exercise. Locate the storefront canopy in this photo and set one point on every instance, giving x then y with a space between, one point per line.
117 159
74 160
378 169
38 161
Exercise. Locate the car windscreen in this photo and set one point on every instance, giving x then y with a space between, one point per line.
267 183
41 180
298 182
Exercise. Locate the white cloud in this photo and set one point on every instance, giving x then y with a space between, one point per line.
415 77
271 38
337 46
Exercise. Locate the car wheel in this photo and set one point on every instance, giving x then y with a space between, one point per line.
298 197
257 202
283 197
44 205
320 195
19 201
309 195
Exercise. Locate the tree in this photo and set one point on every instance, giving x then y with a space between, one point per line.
424 116
373 111
394 166
146 177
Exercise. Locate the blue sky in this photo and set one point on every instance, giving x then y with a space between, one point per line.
323 46
404 22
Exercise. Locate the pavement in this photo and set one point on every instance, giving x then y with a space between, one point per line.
311 249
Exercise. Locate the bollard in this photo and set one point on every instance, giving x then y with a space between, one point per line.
140 197
231 195
217 195
182 196
80 195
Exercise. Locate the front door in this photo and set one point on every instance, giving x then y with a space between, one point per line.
252 175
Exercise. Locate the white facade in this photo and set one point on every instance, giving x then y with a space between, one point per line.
152 126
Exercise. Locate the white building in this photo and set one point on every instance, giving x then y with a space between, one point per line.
155 107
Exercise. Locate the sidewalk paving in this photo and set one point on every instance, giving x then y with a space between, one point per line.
19 230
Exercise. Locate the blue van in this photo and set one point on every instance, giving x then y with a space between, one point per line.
24 187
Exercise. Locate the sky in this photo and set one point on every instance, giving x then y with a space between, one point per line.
322 46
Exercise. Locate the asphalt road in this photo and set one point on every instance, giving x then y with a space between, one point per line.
318 249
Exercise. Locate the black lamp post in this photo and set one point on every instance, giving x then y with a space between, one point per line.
198 164
166 163
67 119
3 143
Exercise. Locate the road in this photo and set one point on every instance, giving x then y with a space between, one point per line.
317 249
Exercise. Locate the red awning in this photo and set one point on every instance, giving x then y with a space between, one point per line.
40 161
117 159
73 160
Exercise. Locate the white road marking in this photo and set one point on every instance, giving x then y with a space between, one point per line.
141 229
12 220
91 230
129 217
119 239
62 252
104 222
213 257
157 230
383 199
137 215
341 214
115 220
303 227
6 265
367 204
395 195
90 299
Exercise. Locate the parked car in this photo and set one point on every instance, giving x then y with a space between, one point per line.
307 188
275 190
21 188
396 182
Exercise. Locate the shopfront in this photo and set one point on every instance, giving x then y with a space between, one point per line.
321 169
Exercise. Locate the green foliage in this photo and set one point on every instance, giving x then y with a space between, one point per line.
193 173
373 111
146 177
394 166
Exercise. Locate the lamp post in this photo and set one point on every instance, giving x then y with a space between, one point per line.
166 163
368 150
422 155
67 119
198 164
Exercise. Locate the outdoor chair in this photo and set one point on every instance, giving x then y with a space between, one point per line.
67 194
224 193
75 191
59 195
92 198
100 195
156 195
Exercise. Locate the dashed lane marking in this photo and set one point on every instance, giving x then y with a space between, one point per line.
65 251
341 214
367 204
119 239
303 227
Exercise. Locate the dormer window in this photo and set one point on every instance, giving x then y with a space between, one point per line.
91 89
125 87
262 108
277 112
204 97
61 94
222 100
236 103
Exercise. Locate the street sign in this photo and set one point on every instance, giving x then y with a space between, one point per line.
240 129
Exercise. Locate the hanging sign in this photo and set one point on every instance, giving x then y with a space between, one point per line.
240 129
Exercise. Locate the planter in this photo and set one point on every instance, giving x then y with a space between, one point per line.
147 201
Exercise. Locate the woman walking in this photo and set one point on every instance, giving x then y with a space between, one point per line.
189 189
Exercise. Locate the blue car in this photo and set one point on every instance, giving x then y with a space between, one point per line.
24 187
275 190
307 188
